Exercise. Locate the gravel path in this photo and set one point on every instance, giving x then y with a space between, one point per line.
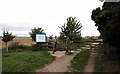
60 64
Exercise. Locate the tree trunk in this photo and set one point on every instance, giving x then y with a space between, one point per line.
54 48
6 46
109 50
66 45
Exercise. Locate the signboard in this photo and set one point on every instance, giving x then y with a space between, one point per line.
40 37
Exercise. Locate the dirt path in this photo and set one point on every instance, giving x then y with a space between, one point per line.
91 62
60 64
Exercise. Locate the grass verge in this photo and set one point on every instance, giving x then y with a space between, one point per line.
100 63
25 61
79 61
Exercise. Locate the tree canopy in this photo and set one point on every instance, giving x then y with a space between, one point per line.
71 29
7 37
107 20
36 31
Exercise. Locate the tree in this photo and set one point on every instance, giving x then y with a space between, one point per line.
6 38
50 38
71 31
34 32
38 45
107 20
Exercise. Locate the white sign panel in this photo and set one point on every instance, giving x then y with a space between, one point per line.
40 37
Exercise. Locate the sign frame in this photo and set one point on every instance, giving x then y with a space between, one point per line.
38 38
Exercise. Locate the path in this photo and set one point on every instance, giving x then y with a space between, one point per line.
60 64
91 62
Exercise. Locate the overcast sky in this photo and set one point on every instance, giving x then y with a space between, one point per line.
20 16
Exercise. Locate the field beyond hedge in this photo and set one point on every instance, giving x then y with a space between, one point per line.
22 40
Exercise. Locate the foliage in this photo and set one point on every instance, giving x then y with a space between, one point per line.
7 37
61 44
51 37
34 32
71 30
25 61
79 61
101 64
16 46
107 20
33 36
37 47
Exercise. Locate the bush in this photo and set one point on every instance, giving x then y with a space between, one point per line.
44 47
16 46
37 47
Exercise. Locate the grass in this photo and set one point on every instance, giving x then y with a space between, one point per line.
79 61
25 61
100 63
101 60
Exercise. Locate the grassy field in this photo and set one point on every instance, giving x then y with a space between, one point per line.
25 61
79 61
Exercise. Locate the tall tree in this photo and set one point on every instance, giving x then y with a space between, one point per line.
107 20
7 37
34 32
71 31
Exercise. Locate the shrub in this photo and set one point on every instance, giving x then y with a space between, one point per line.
37 47
16 46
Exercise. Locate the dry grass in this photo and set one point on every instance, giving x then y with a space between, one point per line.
0 43
22 40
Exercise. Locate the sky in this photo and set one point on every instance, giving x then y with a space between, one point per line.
20 16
